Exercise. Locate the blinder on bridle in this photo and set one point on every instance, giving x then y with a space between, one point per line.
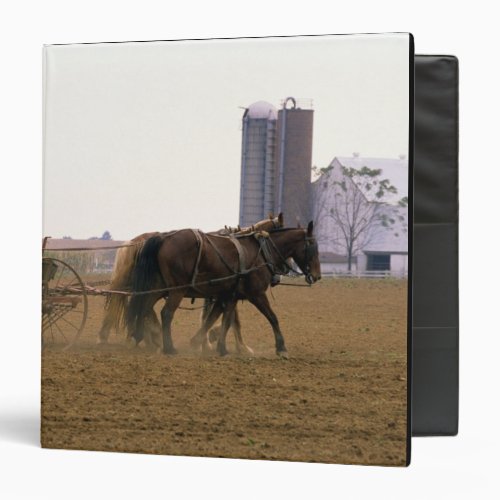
282 267
310 250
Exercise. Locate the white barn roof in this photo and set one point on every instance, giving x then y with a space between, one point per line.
394 169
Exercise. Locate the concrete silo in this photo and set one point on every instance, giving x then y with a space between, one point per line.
294 135
257 188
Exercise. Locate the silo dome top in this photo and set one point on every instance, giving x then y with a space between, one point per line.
262 109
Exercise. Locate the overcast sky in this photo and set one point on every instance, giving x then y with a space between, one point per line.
147 136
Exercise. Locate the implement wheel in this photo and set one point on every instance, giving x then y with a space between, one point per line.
64 304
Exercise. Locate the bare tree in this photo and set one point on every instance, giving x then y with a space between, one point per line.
360 211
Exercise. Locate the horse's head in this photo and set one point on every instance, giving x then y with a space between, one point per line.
307 257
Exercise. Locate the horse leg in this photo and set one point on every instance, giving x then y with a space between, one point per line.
136 328
207 308
167 314
200 338
103 335
261 302
236 325
137 335
135 332
208 305
226 323
152 335
114 308
214 334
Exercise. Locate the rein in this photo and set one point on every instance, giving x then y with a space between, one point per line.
266 248
212 281
295 284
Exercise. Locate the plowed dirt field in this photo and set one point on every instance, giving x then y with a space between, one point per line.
341 397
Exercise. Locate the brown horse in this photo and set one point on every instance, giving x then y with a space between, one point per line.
193 264
116 304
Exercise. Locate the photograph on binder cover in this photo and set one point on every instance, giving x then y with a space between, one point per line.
225 254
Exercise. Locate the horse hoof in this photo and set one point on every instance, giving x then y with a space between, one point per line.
246 351
172 351
222 351
283 354
102 341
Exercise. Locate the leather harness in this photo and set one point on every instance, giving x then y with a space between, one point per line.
267 247
242 268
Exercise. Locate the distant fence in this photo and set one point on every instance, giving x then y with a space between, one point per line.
365 274
86 262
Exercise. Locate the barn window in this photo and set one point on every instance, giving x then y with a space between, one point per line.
378 262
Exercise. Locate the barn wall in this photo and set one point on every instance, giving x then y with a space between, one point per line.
399 265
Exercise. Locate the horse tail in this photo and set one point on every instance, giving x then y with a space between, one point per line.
114 315
115 307
144 278
121 280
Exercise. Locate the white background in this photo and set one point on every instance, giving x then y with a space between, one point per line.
459 467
